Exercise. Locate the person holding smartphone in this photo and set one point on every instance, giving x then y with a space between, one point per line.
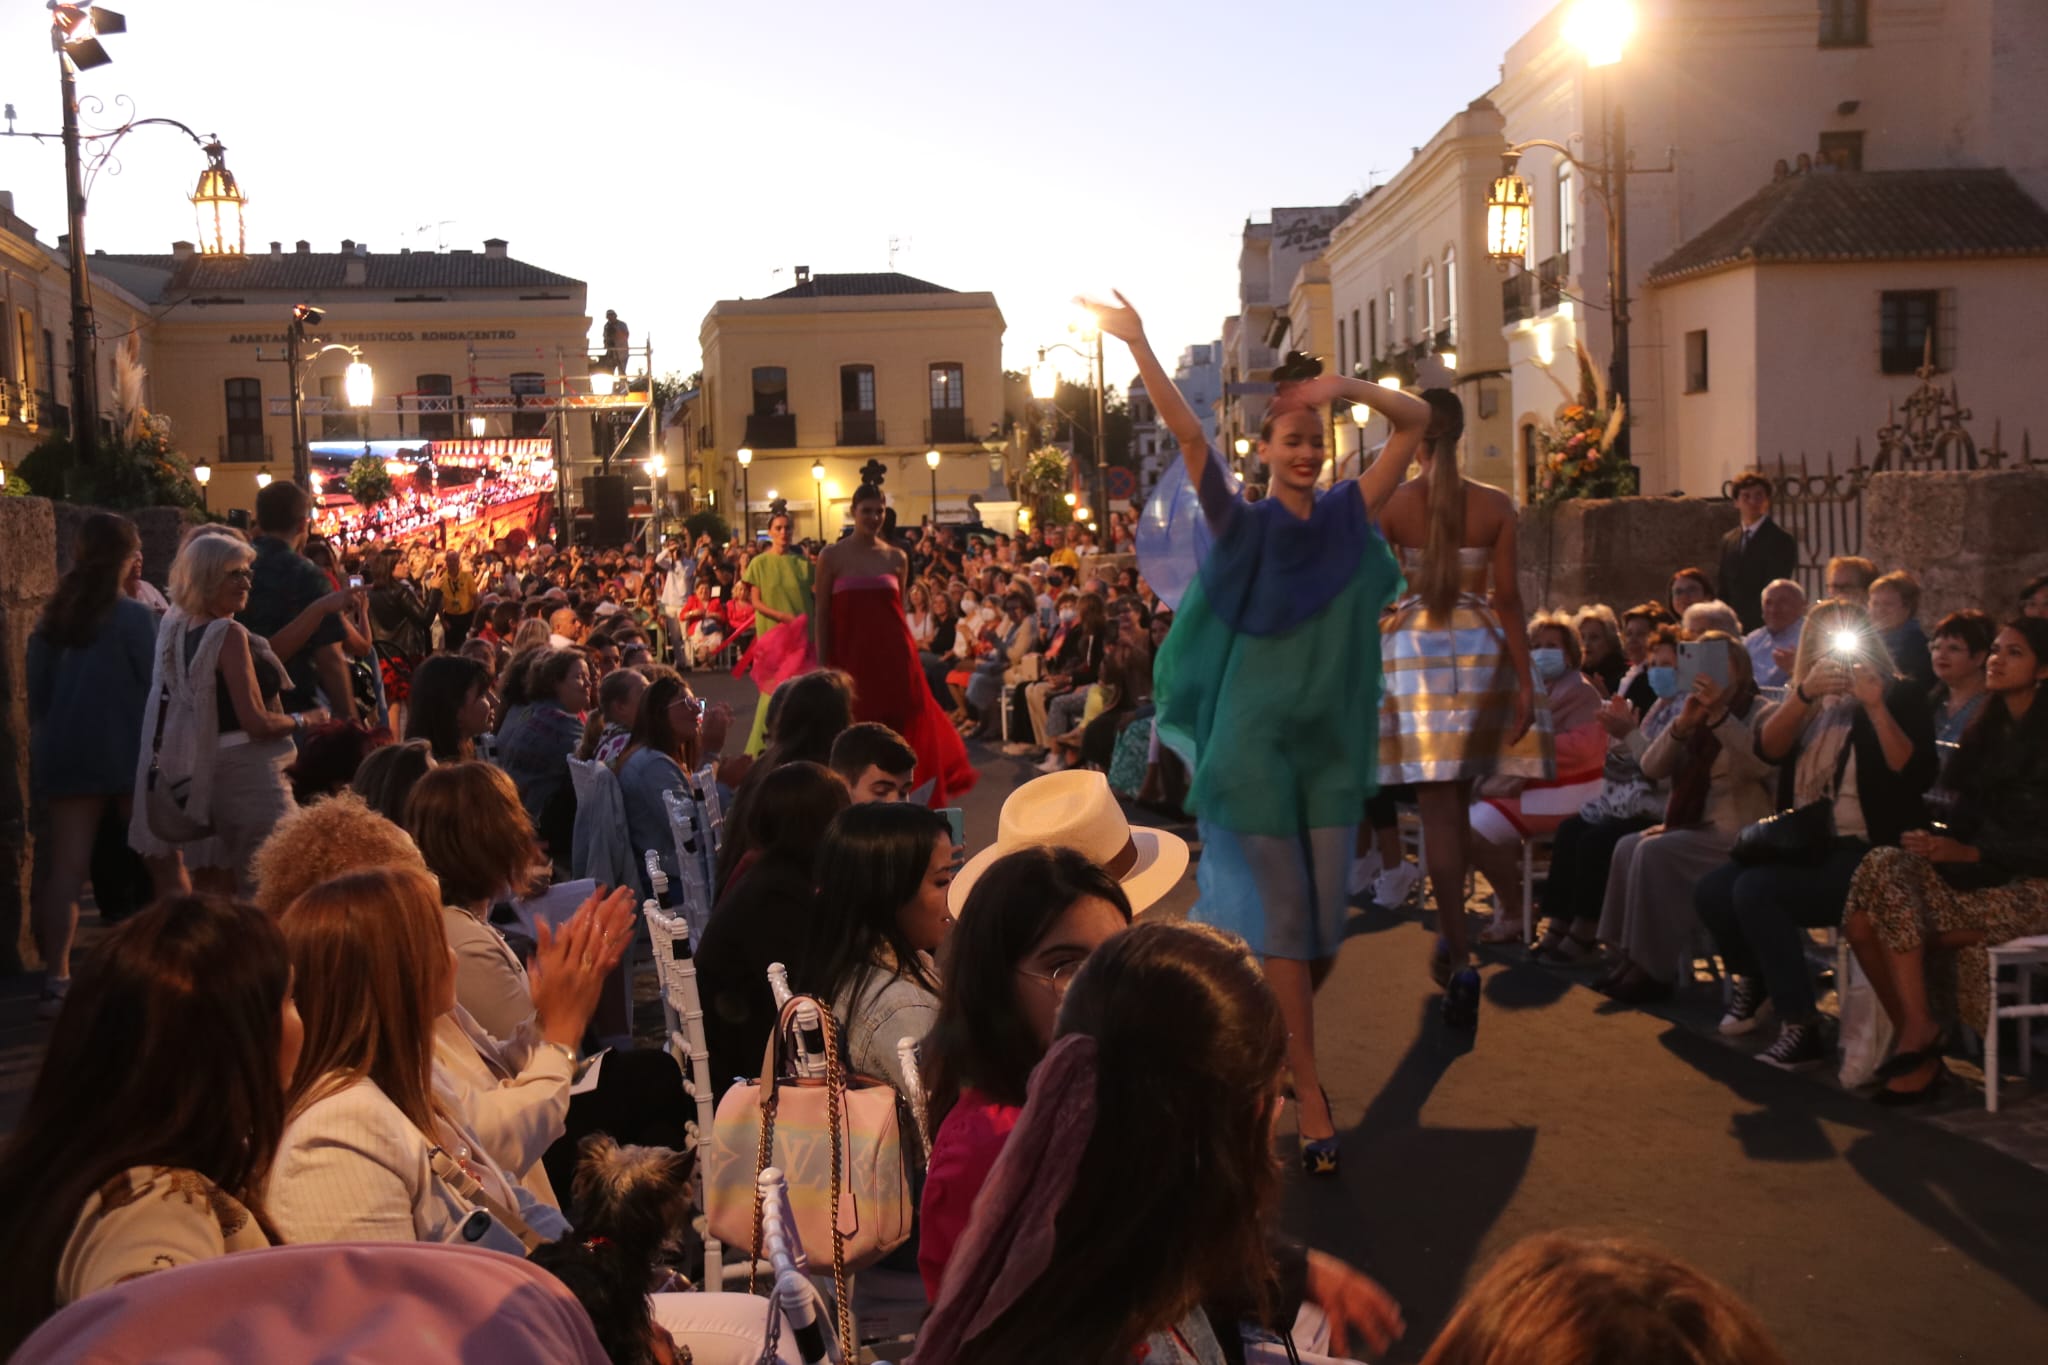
1851 732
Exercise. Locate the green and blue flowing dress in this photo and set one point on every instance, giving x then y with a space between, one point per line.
1268 688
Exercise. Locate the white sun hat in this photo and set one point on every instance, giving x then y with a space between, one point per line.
1075 809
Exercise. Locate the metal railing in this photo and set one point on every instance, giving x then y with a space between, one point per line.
1518 297
860 429
1551 274
947 426
771 431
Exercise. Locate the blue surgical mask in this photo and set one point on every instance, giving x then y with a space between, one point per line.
1664 680
1549 663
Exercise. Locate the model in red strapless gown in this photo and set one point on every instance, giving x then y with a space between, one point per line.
871 641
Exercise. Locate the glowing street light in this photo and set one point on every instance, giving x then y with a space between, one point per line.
263 477
602 382
217 203
1507 213
476 425
1600 29
202 474
1243 446
1073 499
818 478
359 384
1045 381
931 462
1360 414
745 456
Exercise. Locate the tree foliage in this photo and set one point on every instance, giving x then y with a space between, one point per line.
145 471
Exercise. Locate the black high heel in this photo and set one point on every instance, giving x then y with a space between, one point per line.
1907 1099
1906 1063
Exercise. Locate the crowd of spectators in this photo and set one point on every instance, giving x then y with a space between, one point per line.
333 1024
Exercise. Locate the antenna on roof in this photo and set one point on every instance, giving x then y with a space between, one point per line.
897 244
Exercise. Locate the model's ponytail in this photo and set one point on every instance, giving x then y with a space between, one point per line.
1440 570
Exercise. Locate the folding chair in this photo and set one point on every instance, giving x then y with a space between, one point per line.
682 1010
2025 956
681 810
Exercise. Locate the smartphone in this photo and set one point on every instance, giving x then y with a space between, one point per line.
956 820
355 580
1697 658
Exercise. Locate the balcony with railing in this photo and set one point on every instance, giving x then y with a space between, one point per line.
244 447
771 431
860 429
947 426
1551 274
1518 297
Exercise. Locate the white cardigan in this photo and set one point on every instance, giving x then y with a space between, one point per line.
514 1097
353 1168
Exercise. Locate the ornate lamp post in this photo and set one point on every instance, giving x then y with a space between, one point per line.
818 478
931 460
202 474
745 456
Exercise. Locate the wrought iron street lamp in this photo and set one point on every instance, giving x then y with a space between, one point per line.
476 425
818 478
931 461
263 478
202 474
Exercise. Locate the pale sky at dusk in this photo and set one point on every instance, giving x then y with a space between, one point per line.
672 154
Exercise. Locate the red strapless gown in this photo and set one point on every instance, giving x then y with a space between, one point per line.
871 640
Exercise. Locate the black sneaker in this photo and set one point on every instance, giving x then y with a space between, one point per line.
1745 1006
1798 1047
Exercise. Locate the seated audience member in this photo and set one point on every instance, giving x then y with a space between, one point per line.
156 1110
467 822
1016 639
536 740
1718 785
1895 613
762 913
936 653
1689 587
1082 1245
1849 578
512 1095
1983 881
1509 810
2034 598
329 758
1854 734
618 706
366 1126
806 715
450 705
1637 625
1773 645
1960 649
1554 1297
875 763
658 758
1701 617
878 916
386 778
1601 655
1582 850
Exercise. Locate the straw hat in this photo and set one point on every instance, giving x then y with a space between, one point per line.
1075 809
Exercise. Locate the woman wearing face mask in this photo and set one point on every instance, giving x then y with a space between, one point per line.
1267 684
1511 809
1582 850
859 626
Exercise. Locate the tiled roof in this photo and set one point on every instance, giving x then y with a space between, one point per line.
327 271
1826 215
859 286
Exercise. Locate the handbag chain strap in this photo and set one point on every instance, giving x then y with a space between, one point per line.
835 1090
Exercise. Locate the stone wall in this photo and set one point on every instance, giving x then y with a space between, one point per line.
1971 538
1619 551
28 575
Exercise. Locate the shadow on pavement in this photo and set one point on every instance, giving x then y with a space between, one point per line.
1989 1206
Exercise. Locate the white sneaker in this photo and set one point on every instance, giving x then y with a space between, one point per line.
1393 887
1363 873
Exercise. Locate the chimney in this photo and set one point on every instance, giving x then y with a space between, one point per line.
354 269
7 203
277 248
181 251
302 246
348 246
64 242
803 274
494 248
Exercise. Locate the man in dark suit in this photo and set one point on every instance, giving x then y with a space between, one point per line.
1756 553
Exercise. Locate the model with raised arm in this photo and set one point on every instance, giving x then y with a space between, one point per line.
1268 685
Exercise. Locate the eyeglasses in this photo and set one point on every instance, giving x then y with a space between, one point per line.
1059 978
245 575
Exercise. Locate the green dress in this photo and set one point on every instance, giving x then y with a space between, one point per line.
783 582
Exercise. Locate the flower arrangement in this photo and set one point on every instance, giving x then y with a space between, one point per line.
368 482
1575 453
1046 476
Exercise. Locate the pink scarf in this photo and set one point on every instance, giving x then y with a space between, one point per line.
1009 1243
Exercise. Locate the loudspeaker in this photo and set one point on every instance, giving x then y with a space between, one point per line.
604 498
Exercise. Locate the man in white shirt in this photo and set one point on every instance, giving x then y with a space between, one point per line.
1773 645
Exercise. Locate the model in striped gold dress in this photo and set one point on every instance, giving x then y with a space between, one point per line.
1459 700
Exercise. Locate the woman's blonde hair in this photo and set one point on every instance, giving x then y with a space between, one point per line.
1561 622
1833 617
466 821
202 565
532 631
370 959
322 841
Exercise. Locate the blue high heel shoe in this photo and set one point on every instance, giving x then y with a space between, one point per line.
1461 999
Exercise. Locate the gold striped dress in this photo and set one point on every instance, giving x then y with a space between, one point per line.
1447 703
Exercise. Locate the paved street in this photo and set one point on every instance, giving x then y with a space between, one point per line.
1858 1234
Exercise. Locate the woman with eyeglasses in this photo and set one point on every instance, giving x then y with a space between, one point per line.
660 756
214 701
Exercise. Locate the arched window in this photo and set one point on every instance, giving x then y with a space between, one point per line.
1451 292
1567 208
1428 299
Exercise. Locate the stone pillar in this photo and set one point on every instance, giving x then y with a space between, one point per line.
28 575
1972 537
1619 551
